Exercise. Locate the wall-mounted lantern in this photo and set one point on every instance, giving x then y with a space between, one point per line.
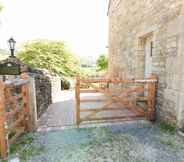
11 43
9 67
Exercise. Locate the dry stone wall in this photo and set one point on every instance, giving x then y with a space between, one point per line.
43 87
130 23
43 92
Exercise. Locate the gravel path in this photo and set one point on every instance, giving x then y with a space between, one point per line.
128 142
59 114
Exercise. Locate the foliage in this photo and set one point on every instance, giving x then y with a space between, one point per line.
86 72
169 142
102 62
2 57
51 55
30 151
1 7
65 84
3 54
25 147
165 127
173 141
24 140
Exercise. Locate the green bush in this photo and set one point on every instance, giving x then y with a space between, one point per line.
65 84
51 55
1 7
3 54
166 127
102 62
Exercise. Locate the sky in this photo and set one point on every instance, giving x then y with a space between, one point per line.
83 24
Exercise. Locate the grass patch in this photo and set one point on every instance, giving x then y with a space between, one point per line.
169 142
25 147
166 127
24 140
30 151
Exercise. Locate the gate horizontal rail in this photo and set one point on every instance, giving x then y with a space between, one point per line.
14 111
150 80
134 91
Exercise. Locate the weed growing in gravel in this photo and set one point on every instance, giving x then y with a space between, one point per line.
168 142
30 151
165 127
25 147
172 141
24 140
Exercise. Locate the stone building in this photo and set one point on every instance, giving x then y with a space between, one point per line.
147 37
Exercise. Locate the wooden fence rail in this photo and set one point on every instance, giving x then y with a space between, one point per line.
14 111
133 91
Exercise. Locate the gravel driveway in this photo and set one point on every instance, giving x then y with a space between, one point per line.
126 142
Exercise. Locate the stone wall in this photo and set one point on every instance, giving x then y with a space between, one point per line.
130 24
43 92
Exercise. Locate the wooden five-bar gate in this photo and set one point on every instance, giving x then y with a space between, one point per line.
14 111
136 97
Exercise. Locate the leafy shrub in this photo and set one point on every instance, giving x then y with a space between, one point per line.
65 84
102 62
166 127
1 7
51 55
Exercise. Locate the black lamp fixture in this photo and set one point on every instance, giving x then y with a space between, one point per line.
12 43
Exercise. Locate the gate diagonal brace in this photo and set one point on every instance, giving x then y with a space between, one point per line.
100 109
129 105
125 102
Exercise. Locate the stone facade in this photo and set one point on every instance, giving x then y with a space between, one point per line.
132 23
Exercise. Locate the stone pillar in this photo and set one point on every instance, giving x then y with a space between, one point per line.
32 103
